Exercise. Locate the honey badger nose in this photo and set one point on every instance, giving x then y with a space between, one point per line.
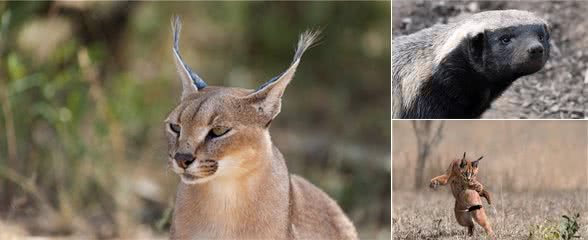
535 50
184 159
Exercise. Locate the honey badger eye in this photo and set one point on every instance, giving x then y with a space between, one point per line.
505 39
218 131
541 37
175 128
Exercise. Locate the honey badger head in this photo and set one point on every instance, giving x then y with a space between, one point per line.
509 53
501 45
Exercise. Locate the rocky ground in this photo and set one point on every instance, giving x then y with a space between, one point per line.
559 89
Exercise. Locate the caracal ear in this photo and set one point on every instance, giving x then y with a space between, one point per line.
191 82
463 161
475 163
267 99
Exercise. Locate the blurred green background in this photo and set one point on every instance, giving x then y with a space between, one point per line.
85 87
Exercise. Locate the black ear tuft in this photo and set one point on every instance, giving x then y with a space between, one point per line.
475 163
463 161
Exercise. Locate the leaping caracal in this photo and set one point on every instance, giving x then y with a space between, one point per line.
234 181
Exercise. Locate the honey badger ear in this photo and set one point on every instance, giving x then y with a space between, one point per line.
475 49
547 28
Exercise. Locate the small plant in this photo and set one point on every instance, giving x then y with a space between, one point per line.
565 229
569 227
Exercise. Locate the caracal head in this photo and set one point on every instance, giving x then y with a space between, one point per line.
222 132
467 169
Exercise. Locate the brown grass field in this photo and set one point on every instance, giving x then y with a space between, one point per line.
536 170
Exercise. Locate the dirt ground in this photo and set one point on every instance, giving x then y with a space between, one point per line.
559 89
429 214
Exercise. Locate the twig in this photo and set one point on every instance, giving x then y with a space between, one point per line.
28 186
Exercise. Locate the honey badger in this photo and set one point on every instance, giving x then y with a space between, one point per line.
456 70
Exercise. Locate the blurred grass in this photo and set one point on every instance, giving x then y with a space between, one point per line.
518 155
85 86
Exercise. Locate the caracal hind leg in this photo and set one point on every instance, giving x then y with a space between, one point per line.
472 198
480 217
464 218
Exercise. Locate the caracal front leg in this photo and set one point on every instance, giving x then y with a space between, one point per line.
486 194
476 185
439 180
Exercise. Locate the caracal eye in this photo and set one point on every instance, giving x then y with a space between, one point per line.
175 128
218 131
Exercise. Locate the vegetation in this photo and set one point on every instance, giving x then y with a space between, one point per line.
85 86
566 229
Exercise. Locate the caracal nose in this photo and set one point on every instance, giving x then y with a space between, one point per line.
184 159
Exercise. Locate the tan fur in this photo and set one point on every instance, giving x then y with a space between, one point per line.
238 186
466 190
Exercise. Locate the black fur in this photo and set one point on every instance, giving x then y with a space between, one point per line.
473 208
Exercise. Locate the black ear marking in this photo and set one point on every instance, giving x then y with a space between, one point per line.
267 99
463 161
191 82
475 163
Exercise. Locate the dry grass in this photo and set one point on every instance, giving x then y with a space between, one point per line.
537 171
429 214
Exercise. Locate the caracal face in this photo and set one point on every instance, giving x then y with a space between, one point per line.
215 132
467 170
218 132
